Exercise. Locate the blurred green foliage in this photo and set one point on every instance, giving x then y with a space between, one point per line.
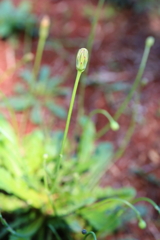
16 19
38 96
136 5
27 175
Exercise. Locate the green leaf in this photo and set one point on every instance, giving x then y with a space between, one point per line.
44 74
86 145
19 188
57 110
27 76
36 115
34 149
5 30
102 221
6 202
20 103
31 228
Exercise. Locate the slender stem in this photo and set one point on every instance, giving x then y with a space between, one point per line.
54 232
90 233
102 111
121 201
9 229
89 47
147 200
67 126
130 95
38 57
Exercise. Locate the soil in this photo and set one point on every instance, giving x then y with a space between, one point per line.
116 55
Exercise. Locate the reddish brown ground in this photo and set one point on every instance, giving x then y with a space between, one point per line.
118 48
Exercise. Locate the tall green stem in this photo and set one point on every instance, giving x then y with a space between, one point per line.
134 87
67 125
38 57
43 34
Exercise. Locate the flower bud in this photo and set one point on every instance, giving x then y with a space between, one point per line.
150 41
114 125
82 59
44 27
142 224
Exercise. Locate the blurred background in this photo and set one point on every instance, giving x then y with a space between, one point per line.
117 49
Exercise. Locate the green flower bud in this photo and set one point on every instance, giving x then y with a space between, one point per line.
142 224
150 41
114 125
44 27
82 59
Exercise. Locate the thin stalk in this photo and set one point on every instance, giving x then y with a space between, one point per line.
131 93
58 164
102 111
90 233
113 124
147 200
120 201
9 229
38 58
54 232
43 34
89 47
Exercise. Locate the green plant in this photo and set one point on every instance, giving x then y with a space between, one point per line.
38 88
16 19
38 96
52 182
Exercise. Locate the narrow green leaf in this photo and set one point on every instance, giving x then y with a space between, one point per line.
57 110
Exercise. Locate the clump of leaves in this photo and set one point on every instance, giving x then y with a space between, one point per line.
39 96
27 177
16 19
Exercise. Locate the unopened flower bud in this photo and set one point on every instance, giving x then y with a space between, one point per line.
44 27
82 59
142 224
114 125
150 41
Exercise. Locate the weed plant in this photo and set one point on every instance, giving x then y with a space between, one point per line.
50 184
35 94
